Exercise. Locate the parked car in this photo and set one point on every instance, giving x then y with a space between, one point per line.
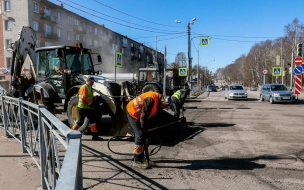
211 88
253 88
276 93
235 91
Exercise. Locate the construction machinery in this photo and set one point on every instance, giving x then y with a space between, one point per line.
59 71
150 79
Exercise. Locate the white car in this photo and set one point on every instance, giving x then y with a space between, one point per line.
235 91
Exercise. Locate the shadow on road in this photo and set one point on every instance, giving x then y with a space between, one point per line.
112 171
185 131
220 164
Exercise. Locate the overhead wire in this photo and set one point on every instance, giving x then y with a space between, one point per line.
135 16
143 29
154 30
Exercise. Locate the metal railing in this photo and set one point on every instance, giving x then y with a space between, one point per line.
54 147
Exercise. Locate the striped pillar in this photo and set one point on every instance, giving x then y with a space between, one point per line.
298 84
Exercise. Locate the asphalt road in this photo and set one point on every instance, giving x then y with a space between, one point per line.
225 144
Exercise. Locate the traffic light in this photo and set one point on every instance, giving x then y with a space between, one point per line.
299 50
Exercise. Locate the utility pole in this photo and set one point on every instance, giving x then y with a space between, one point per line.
197 65
189 54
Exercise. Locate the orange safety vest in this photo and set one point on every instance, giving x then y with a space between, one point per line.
135 106
85 96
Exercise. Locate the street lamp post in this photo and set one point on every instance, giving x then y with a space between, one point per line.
189 46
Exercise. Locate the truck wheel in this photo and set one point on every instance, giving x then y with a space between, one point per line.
72 112
150 88
48 105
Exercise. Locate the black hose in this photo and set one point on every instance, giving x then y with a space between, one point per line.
152 152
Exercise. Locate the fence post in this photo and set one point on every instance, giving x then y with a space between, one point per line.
43 158
22 126
77 135
4 116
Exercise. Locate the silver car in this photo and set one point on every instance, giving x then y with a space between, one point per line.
235 91
276 93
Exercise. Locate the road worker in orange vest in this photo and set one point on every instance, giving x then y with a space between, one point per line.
139 110
85 108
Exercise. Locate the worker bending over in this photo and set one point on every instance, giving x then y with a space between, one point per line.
178 100
139 111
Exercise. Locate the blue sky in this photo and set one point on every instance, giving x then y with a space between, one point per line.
233 25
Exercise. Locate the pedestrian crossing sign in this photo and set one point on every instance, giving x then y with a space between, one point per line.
182 72
277 71
204 41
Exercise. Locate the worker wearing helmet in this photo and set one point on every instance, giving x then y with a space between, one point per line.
178 100
85 108
139 110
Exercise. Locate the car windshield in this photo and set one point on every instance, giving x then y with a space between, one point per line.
236 88
278 88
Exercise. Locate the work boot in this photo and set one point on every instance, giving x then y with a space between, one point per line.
139 161
75 127
95 137
140 164
151 163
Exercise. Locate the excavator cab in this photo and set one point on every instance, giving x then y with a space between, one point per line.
61 66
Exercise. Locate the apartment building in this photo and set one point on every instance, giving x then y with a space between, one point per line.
55 25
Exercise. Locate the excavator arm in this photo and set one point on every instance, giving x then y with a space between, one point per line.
24 46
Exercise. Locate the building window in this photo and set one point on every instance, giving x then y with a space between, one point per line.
59 32
95 43
36 7
47 29
8 62
77 37
90 28
58 17
8 43
36 26
76 22
69 21
96 31
7 5
100 32
90 42
46 44
8 25
37 43
69 35
47 12
100 43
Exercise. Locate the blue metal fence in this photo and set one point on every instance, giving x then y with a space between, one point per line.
54 147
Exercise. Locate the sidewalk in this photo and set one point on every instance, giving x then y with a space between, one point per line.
18 170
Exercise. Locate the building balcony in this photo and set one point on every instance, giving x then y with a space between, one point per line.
48 17
50 35
80 29
133 49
